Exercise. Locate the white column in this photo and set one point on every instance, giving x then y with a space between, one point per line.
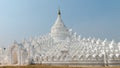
10 56
29 54
19 56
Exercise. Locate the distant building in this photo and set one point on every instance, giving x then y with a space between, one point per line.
62 46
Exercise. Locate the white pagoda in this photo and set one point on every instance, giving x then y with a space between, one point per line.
62 46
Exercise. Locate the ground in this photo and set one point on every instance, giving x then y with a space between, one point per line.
46 66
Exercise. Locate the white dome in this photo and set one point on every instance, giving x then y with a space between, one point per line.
59 31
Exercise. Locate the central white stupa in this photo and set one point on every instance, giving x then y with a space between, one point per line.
59 31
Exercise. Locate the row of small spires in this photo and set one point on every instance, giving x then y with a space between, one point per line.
70 30
84 39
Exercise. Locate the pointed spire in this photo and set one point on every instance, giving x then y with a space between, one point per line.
59 13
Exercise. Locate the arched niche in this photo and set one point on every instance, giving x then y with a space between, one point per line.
14 54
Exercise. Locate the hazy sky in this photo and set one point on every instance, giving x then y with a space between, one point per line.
21 19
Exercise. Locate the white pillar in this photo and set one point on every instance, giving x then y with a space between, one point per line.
10 56
19 56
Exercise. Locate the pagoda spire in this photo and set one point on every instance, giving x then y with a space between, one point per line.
59 31
59 13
